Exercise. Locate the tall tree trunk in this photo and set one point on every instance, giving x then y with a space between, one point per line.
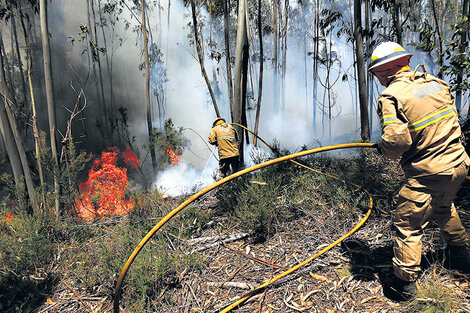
108 67
50 98
33 106
463 42
260 79
275 55
7 132
23 158
147 92
315 64
20 66
201 57
37 145
305 74
91 53
98 61
439 38
369 75
284 55
10 129
365 130
396 21
240 79
8 70
227 52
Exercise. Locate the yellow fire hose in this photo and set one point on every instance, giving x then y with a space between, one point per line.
139 247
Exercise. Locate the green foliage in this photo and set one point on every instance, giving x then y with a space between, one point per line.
27 250
71 167
433 298
170 137
427 38
15 196
257 208
457 55
282 192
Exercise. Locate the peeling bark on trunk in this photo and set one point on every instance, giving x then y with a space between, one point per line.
240 75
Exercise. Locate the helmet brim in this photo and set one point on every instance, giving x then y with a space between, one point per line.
389 58
218 119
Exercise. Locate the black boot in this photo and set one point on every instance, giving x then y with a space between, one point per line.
458 258
400 290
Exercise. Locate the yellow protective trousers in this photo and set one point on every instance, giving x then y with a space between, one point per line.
419 199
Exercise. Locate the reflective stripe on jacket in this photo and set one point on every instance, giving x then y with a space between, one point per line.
225 138
420 123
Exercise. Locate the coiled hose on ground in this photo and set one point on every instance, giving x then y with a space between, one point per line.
117 293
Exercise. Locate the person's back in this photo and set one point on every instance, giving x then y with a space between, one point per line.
225 136
420 124
426 127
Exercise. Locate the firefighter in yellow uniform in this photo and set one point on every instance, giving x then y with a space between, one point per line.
420 124
225 138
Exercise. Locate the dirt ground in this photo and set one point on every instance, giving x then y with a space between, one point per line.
347 278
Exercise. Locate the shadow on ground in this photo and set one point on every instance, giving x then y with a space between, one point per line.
367 264
24 294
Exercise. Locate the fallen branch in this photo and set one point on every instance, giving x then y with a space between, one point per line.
230 284
216 240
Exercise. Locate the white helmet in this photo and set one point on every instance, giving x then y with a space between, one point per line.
387 52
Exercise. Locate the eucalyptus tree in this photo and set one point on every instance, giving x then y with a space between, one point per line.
241 71
360 68
12 140
147 91
260 78
200 55
49 86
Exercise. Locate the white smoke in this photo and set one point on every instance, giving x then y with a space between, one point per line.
183 179
187 99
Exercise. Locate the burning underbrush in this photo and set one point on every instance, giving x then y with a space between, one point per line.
104 193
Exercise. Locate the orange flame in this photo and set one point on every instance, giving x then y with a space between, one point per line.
174 157
131 158
103 194
8 217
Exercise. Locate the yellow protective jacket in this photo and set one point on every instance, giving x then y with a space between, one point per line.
420 123
225 138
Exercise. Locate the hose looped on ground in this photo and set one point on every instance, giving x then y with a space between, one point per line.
117 293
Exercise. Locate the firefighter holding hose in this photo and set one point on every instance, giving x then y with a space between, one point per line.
420 124
225 138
